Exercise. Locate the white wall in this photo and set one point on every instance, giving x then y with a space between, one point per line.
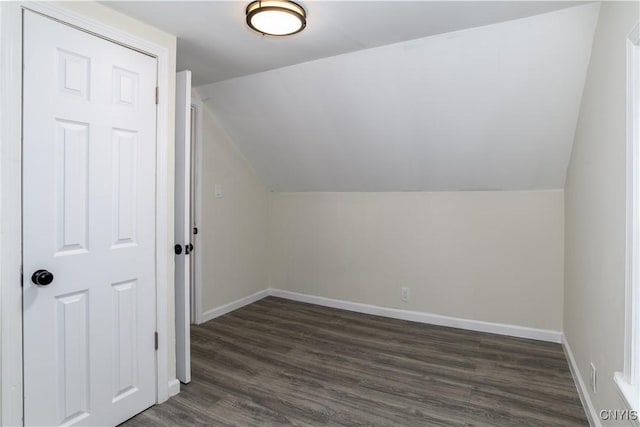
234 227
595 209
490 256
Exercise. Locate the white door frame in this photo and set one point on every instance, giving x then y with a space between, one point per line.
11 202
196 306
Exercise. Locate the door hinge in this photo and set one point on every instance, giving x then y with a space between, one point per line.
156 340
157 95
21 278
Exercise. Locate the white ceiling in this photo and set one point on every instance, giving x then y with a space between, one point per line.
215 44
486 108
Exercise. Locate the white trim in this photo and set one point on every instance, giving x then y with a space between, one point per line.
422 317
197 274
173 387
394 313
629 395
583 392
10 187
631 318
10 211
234 305
628 381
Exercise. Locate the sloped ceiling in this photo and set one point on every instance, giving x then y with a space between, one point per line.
489 108
215 44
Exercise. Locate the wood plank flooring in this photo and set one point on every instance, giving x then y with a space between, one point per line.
279 362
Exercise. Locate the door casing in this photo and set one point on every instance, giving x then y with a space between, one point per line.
11 358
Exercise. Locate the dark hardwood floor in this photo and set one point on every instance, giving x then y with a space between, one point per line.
279 362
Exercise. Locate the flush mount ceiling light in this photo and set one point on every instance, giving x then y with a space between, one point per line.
276 17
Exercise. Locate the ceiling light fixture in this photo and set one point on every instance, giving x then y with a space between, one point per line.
276 17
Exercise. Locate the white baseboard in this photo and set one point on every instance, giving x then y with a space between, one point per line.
583 392
421 317
234 305
395 313
173 387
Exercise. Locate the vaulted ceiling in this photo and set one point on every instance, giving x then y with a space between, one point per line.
215 44
490 108
396 96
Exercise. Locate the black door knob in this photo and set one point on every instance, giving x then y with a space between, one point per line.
42 277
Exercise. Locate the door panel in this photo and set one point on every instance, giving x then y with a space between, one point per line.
125 160
73 388
124 350
71 187
89 219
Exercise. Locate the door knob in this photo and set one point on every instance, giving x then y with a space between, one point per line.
42 277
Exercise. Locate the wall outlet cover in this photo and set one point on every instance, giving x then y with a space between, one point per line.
405 294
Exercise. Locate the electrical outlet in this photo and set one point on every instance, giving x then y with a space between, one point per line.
593 377
217 189
405 294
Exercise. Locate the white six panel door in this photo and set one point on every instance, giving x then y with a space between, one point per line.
89 219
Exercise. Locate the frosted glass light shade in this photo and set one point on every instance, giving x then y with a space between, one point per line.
276 17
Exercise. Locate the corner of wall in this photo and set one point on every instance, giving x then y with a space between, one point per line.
595 215
234 223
